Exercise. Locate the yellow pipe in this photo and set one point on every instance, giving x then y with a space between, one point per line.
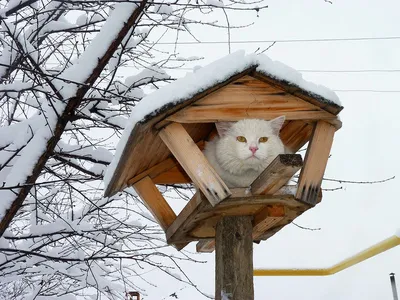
347 263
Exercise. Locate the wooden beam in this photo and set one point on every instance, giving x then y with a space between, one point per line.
296 134
290 215
266 219
176 175
274 177
184 221
218 113
155 202
198 219
309 184
166 172
155 171
234 259
206 246
298 92
194 163
277 174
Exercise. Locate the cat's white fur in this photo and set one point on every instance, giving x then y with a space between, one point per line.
233 160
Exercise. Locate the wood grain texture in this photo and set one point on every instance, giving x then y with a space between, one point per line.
206 245
234 259
266 219
182 225
226 113
155 202
274 177
176 175
296 134
249 97
277 174
309 184
144 149
194 163
166 172
298 92
154 171
198 219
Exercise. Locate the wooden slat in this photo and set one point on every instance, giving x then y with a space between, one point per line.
144 149
142 140
239 91
155 202
176 175
296 134
181 225
266 219
236 206
194 163
198 218
277 174
206 245
309 184
290 215
166 171
212 114
155 171
298 92
301 137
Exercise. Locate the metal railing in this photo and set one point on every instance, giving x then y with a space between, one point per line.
347 263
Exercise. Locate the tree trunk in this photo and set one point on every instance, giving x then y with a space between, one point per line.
234 259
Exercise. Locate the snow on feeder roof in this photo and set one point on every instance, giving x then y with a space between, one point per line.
235 87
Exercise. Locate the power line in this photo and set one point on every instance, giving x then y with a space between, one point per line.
306 70
286 40
299 70
352 71
367 91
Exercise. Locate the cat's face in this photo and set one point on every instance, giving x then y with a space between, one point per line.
251 141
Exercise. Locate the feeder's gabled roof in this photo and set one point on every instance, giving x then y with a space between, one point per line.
203 81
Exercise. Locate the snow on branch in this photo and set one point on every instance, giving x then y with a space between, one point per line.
33 156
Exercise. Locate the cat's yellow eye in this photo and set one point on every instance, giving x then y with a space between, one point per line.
263 139
241 139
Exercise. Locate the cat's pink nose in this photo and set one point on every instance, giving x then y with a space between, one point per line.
253 149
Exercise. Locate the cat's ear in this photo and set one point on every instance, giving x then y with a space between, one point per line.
276 124
223 127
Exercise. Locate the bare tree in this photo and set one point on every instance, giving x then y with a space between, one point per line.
64 101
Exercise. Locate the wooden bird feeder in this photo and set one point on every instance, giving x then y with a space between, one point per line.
165 148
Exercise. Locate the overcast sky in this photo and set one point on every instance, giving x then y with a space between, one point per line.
364 149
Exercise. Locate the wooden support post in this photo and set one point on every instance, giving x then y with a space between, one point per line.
194 163
317 155
234 259
155 202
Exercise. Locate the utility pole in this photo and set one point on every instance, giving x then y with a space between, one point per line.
394 289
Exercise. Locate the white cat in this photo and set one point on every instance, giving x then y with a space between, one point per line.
244 149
